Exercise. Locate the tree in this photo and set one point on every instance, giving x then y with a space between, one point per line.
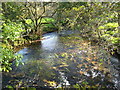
18 18
33 15
97 22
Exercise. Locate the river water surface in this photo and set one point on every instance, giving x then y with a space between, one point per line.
64 61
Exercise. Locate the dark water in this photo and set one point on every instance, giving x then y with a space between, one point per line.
64 60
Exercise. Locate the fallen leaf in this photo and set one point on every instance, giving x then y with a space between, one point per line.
81 72
50 83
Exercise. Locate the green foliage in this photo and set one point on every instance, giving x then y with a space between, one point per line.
44 20
11 32
110 33
77 86
28 21
8 57
96 21
70 5
111 25
12 10
47 20
10 87
50 26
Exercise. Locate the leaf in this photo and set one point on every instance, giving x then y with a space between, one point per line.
81 72
8 86
94 62
28 21
76 9
112 53
84 82
101 27
54 68
76 86
101 59
101 63
111 25
51 83
95 67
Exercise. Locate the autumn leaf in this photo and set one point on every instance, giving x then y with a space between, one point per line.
93 62
88 58
80 65
95 67
50 83
81 72
54 68
63 65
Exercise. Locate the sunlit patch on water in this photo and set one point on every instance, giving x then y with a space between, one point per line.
50 42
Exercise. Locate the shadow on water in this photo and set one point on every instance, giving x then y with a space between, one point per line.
64 61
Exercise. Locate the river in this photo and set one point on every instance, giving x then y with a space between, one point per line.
64 60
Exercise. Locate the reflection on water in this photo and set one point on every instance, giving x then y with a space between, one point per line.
32 52
50 43
60 61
